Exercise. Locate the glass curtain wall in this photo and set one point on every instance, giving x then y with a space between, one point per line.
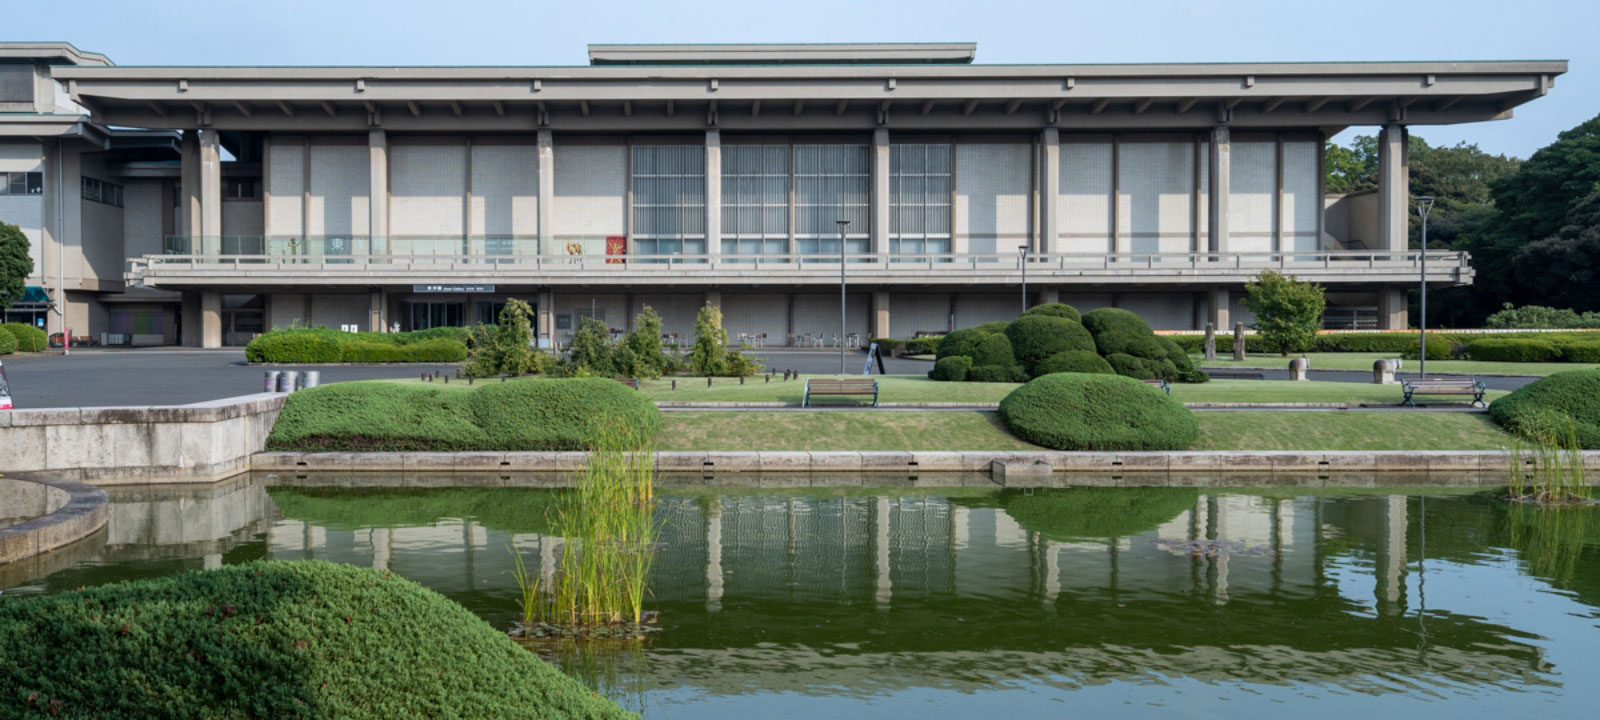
755 200
669 200
919 201
832 182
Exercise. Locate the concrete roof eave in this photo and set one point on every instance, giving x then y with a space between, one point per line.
69 127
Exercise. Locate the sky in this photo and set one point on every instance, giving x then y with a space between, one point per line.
508 32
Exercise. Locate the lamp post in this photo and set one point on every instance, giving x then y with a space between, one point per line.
1424 206
1022 253
842 225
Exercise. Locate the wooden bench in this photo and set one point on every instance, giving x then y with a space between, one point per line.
1237 374
630 382
840 386
1160 383
1441 386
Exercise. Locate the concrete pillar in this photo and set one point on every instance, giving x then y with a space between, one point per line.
189 319
375 311
210 319
211 186
1217 193
880 314
880 194
1049 184
1394 189
1049 295
545 323
378 183
1219 303
189 188
1392 311
547 194
714 193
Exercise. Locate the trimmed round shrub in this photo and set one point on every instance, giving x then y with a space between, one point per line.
1438 348
1509 350
1073 361
998 374
438 350
294 346
28 337
959 342
952 369
1036 337
378 416
1118 331
993 328
370 352
559 414
297 639
8 344
993 350
1071 411
1187 372
1142 368
1060 310
1572 396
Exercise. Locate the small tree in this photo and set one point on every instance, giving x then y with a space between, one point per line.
15 264
591 349
709 356
1288 311
509 348
645 344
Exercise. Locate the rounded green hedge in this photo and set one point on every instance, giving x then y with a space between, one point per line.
1074 361
959 342
993 328
1438 348
1187 372
1060 310
272 639
558 413
998 373
1140 368
1118 331
293 347
993 350
1510 350
437 350
370 352
1571 396
1581 352
28 337
1072 411
951 369
8 344
1036 337
320 345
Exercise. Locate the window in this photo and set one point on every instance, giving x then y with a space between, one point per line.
755 199
241 189
21 183
669 199
101 191
919 200
832 182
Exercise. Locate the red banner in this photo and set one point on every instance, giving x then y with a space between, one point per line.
616 247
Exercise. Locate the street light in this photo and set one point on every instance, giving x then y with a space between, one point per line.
1424 206
842 225
1022 252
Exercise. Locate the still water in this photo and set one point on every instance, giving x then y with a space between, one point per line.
971 602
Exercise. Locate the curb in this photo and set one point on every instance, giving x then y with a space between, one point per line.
81 515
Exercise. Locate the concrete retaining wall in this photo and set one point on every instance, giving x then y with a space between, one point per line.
199 442
80 511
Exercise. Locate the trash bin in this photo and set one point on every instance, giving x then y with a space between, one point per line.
310 379
271 384
287 380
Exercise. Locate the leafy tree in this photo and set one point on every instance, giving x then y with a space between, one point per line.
508 347
1538 317
591 348
15 264
1351 169
1567 264
1288 311
709 356
644 343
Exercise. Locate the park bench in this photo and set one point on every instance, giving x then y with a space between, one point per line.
630 382
840 386
1440 386
1237 374
1160 383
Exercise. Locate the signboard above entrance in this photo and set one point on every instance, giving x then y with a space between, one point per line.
452 288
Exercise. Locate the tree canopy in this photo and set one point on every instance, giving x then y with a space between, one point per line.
15 264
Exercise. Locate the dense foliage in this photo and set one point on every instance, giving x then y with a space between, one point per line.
15 264
1060 310
1039 336
507 348
1070 411
525 414
321 345
1288 311
1055 338
300 639
1572 396
637 355
8 343
1539 317
28 337
1074 361
953 368
711 355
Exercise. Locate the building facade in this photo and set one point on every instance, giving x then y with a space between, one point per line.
747 176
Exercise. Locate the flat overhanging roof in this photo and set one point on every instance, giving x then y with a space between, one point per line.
783 54
56 53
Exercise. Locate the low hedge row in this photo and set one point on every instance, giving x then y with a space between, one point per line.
319 345
1557 349
1455 344
524 414
304 639
28 338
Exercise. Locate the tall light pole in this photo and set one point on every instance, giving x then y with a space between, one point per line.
1424 206
842 225
1022 253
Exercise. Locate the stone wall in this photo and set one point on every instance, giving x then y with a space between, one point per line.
109 446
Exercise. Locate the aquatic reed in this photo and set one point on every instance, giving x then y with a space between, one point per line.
1547 467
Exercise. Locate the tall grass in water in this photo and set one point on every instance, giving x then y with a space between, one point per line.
1552 539
1547 464
609 531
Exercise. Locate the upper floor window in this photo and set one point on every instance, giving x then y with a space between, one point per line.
21 183
101 191
919 199
241 189
832 183
669 199
755 199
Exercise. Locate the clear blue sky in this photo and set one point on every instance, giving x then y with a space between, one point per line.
508 32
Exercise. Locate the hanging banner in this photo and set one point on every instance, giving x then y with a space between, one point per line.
615 248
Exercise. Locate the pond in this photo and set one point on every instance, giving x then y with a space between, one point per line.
926 602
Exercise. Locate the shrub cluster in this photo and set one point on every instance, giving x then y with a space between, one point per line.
924 345
1538 317
524 414
27 337
1054 338
321 345
1572 396
272 639
8 343
1549 348
1068 411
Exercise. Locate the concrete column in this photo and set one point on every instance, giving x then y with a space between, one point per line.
547 193
545 319
714 193
378 185
1049 183
880 314
880 194
210 319
211 186
189 319
1218 313
1217 194
375 311
189 188
1049 295
1394 189
1392 311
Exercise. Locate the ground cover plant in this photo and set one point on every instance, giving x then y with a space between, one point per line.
521 414
302 639
1072 411
1535 410
321 345
1055 338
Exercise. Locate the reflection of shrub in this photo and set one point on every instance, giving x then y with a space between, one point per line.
1069 411
273 639
952 369
1572 396
1096 513
1036 337
511 510
1074 361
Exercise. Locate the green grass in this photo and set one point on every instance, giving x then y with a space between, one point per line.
1288 391
1363 361
301 639
1353 430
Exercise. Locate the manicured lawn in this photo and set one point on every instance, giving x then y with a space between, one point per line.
981 430
1287 391
1363 361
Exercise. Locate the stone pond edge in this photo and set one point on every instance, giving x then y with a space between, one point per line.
83 514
